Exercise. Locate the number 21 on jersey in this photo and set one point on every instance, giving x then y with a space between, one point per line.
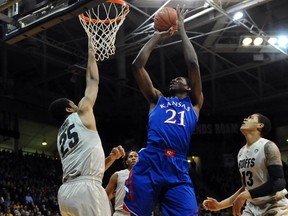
172 117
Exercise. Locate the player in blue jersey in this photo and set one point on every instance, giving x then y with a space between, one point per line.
161 174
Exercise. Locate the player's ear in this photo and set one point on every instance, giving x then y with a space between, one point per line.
69 109
260 125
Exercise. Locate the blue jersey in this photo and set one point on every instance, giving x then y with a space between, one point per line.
171 124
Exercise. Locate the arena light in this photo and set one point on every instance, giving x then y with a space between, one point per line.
238 15
247 41
272 40
44 142
258 41
282 41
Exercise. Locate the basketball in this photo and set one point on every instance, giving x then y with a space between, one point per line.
165 19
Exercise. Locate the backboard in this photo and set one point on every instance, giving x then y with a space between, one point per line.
25 18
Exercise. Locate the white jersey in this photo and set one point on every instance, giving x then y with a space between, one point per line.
80 150
252 167
120 189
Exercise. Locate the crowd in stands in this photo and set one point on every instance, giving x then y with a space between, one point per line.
29 184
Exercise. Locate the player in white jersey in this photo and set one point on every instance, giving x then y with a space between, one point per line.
81 151
117 183
260 165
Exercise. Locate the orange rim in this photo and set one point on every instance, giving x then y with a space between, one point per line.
120 2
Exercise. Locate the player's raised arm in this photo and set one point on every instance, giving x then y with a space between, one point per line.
92 82
141 75
191 60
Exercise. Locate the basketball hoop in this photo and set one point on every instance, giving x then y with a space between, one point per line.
101 25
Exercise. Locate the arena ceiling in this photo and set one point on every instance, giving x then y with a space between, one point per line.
50 63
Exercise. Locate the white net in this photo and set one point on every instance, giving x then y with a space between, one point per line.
102 23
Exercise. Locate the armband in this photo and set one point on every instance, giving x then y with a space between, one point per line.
275 183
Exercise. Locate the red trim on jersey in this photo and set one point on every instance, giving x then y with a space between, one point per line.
125 208
131 185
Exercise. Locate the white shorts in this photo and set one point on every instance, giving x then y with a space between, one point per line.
120 213
279 208
83 197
